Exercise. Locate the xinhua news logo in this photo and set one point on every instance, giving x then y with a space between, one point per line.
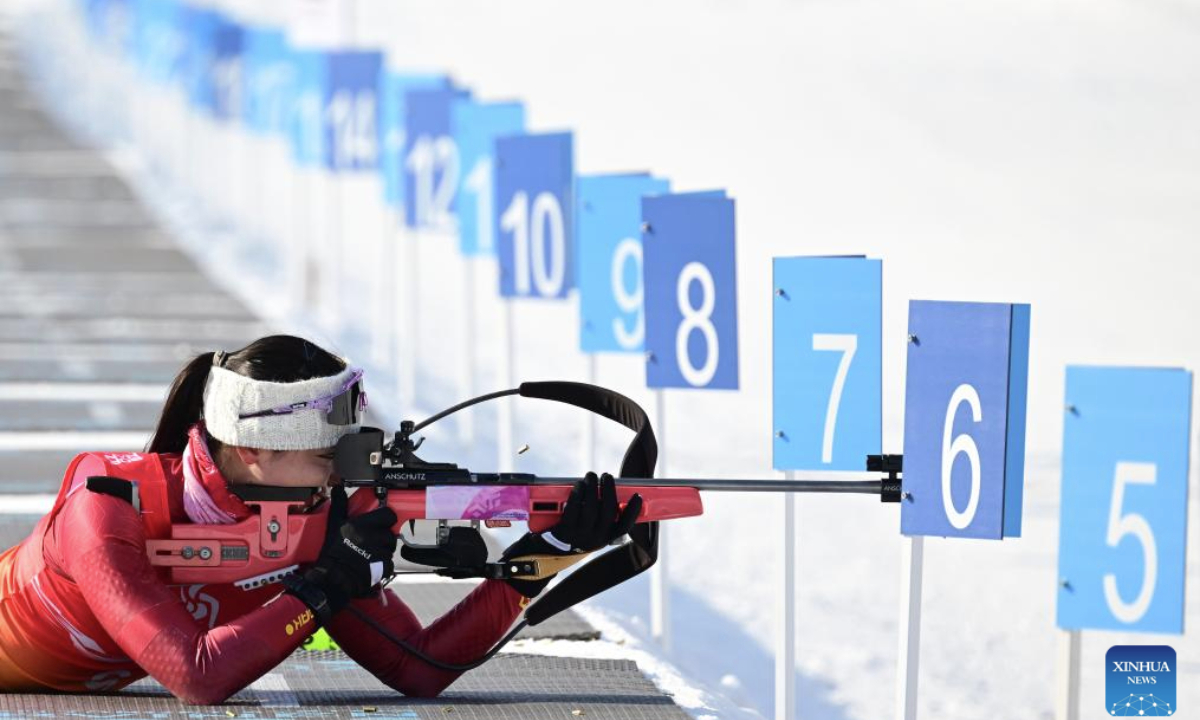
1141 681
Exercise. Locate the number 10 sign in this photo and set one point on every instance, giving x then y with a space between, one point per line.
964 419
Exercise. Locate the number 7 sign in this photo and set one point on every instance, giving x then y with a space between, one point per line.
828 364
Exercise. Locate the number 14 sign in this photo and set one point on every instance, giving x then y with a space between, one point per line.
964 419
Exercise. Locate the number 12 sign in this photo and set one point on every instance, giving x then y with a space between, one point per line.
964 419
1123 522
828 366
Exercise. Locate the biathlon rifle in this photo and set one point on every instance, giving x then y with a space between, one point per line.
283 535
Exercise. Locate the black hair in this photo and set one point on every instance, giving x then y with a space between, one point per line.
276 358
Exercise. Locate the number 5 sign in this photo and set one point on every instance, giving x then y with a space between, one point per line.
1123 522
828 367
964 419
690 291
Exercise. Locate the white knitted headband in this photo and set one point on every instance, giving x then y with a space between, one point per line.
228 396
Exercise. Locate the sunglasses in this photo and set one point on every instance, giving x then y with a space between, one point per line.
343 407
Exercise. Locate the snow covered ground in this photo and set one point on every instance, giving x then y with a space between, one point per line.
1044 152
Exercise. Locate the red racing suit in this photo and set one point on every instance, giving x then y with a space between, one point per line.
83 610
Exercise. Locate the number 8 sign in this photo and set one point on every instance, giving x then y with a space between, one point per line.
1123 522
964 422
690 291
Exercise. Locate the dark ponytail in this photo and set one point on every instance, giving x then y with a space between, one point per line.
184 405
277 358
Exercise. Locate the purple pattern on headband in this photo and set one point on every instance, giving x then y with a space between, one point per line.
506 502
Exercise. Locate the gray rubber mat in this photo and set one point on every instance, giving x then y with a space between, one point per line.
175 352
431 600
100 259
83 370
215 333
15 528
127 302
94 415
65 188
330 685
25 211
174 282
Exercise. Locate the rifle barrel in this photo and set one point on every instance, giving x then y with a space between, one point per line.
863 487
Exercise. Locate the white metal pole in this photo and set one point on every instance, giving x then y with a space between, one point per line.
912 559
466 370
299 256
1066 695
785 633
660 606
410 258
504 424
383 321
589 421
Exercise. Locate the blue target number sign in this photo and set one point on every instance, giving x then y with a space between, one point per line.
307 128
431 163
828 363
200 32
1123 512
159 43
268 80
690 291
350 110
475 127
534 215
609 267
964 422
393 130
226 72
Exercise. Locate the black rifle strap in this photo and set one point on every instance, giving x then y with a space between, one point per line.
640 553
642 453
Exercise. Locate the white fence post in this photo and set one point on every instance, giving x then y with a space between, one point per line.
785 640
504 424
1066 695
912 560
660 601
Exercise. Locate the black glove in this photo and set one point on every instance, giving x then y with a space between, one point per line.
357 554
588 523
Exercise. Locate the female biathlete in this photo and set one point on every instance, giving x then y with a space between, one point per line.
83 610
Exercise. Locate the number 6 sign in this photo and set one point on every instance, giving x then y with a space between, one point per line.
964 421
1123 521
690 291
